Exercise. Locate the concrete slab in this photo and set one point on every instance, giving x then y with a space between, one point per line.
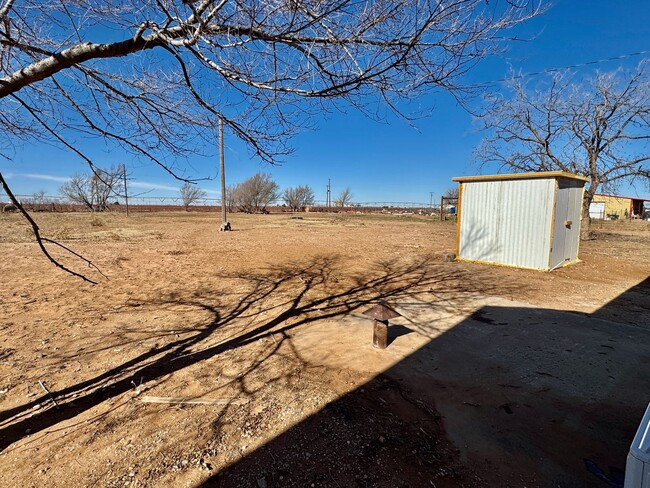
526 394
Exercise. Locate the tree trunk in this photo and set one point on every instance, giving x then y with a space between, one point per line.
585 224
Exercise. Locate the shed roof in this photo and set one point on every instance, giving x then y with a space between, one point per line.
521 176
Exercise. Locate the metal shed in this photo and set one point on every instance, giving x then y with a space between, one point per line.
528 220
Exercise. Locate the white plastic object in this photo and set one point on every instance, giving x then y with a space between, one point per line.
637 470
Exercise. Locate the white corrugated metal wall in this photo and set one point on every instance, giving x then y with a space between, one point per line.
507 221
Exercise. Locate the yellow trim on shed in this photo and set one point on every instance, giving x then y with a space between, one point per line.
521 176
458 211
543 270
582 200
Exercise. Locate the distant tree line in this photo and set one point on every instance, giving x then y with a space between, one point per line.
260 191
254 195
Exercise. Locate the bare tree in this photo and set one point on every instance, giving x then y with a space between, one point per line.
256 193
78 190
451 192
171 69
190 194
38 197
230 198
344 199
38 201
93 190
599 128
298 198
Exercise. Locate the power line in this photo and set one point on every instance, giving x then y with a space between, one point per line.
570 66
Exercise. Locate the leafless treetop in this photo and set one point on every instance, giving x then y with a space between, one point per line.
598 128
153 76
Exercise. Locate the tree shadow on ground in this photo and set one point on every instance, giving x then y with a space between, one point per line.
263 304
510 396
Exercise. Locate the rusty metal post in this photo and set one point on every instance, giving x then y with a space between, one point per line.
380 334
381 313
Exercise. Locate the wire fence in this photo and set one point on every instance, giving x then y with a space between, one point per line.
45 203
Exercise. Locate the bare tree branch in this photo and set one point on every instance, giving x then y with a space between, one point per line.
41 240
94 190
6 7
271 53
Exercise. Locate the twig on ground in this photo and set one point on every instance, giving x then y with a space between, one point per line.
332 478
190 401
48 393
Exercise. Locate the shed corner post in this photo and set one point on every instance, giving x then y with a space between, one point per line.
458 217
582 199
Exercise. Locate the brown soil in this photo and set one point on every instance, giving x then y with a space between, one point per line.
265 321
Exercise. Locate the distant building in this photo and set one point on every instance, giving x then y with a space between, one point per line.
614 207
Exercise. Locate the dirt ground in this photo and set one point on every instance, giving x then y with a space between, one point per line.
493 377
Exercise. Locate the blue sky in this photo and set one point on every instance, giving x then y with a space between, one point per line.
387 161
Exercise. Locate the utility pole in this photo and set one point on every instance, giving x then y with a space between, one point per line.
431 200
328 198
126 193
225 225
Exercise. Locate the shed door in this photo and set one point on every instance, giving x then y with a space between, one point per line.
567 222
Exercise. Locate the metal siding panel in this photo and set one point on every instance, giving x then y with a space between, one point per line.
525 210
597 210
478 230
507 222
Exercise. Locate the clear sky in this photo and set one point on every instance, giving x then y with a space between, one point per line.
387 161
